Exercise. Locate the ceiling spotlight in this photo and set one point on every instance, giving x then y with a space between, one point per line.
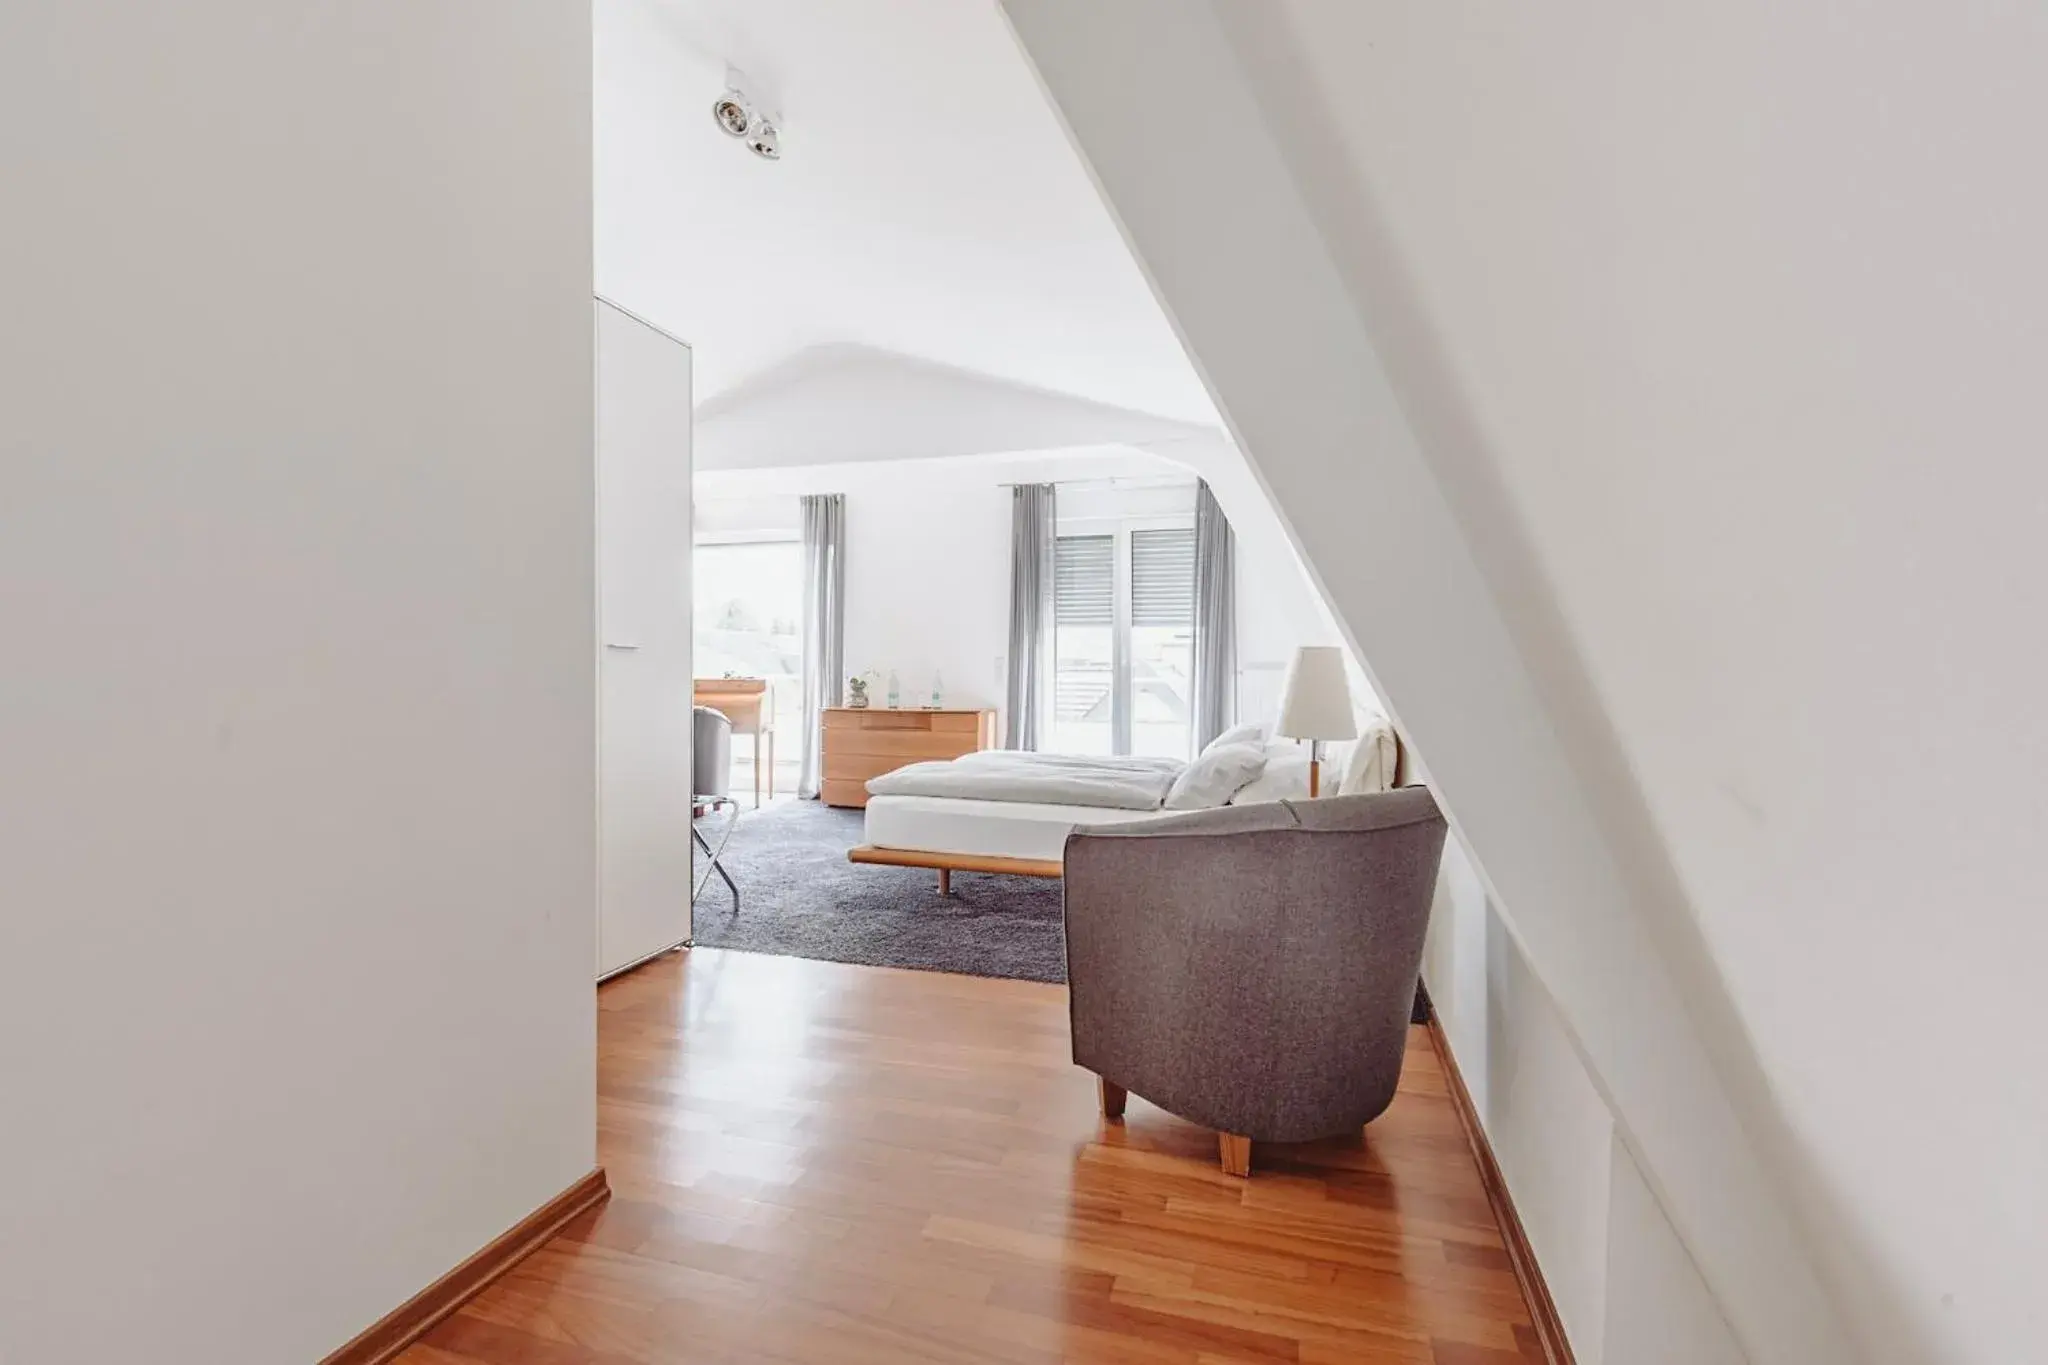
743 113
733 113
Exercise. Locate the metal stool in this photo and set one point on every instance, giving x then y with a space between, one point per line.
711 788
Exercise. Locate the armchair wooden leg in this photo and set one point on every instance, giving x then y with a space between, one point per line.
1237 1154
1113 1097
945 881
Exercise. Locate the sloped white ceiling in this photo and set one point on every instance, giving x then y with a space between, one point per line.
927 205
1703 340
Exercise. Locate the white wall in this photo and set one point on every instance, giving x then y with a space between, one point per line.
928 560
1658 1308
1626 1288
928 582
296 847
927 554
1548 1127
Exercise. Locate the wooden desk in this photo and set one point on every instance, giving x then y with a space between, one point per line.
747 703
865 742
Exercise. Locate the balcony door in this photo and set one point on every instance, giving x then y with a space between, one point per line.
749 624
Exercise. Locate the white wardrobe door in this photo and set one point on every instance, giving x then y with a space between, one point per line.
645 683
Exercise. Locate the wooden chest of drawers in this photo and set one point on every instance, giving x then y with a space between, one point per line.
867 742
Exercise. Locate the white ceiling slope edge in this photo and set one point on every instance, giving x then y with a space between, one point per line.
835 404
1452 622
845 405
926 204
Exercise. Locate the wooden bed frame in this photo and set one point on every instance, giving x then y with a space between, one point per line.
949 863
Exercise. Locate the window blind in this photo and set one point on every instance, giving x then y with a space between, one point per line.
1163 578
1084 580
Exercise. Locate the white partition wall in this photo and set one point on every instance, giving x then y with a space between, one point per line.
297 764
644 672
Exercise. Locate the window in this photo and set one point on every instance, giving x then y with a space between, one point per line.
748 623
1084 645
1123 640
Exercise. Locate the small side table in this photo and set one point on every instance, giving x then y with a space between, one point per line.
700 807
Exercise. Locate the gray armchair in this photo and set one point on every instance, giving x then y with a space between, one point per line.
1251 969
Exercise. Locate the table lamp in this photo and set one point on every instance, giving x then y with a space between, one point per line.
1316 705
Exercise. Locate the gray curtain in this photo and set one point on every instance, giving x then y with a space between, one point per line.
1215 680
824 626
1033 527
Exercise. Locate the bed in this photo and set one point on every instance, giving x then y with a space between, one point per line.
954 834
1008 812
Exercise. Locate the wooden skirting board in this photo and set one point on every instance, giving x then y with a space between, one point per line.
384 1339
1557 1350
955 862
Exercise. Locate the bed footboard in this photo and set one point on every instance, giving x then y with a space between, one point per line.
946 864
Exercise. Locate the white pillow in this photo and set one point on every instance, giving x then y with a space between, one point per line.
1284 778
1213 778
1371 764
1251 732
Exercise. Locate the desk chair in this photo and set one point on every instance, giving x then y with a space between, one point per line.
750 706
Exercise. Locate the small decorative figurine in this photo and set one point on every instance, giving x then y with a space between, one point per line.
857 693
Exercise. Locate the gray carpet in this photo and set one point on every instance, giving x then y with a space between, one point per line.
801 898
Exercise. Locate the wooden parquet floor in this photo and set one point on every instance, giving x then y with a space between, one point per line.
814 1162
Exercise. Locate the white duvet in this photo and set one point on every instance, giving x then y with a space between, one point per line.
1042 779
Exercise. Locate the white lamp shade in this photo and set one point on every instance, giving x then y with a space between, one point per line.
1317 700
